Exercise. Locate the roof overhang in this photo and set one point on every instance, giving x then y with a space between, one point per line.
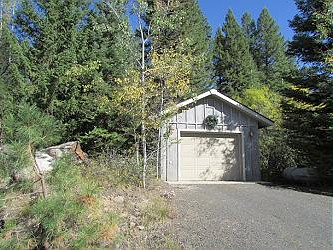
262 120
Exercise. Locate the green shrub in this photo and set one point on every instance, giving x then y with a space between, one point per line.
25 128
72 216
117 170
100 139
29 124
275 154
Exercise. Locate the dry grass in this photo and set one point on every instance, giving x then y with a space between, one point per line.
88 207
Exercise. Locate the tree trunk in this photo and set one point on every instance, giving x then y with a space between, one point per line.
158 153
143 105
144 150
137 147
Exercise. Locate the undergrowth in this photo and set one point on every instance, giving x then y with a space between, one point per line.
79 211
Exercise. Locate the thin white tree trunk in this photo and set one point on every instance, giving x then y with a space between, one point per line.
1 15
144 149
143 106
137 147
158 154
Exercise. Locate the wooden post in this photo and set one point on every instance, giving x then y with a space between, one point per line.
37 171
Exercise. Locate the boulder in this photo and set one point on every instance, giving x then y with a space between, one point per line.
300 175
44 161
46 157
68 147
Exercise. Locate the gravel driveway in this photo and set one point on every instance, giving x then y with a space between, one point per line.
251 216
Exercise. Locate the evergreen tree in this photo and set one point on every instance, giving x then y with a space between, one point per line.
249 29
76 53
309 111
14 86
269 52
183 27
234 65
13 66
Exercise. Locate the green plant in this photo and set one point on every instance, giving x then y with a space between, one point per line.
29 124
26 129
275 154
100 139
211 121
72 215
156 210
116 170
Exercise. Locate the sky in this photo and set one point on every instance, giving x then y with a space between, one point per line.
281 10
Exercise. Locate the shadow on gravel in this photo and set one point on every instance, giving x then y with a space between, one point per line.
322 190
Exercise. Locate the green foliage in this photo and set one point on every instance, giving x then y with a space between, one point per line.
74 56
100 139
13 67
263 100
235 69
156 210
12 243
26 127
275 153
118 170
269 52
308 109
211 121
29 124
77 212
181 26
249 29
62 216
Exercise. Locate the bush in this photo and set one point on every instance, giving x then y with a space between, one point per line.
29 125
100 139
275 153
25 128
72 216
117 169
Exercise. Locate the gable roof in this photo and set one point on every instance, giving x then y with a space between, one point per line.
262 120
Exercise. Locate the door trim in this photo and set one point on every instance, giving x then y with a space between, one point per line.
202 131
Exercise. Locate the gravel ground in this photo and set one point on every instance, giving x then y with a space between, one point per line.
251 216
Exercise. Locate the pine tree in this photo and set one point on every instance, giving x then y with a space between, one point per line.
183 27
14 86
269 52
309 111
233 62
13 66
249 29
76 53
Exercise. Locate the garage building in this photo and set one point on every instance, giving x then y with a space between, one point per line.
212 137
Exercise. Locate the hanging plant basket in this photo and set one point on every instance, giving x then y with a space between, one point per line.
211 121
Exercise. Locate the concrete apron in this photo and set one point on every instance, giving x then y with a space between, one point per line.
211 182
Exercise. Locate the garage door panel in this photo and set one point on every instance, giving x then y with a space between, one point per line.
188 149
209 158
187 140
211 175
188 175
202 161
188 161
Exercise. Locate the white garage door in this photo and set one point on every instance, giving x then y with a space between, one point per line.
205 156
